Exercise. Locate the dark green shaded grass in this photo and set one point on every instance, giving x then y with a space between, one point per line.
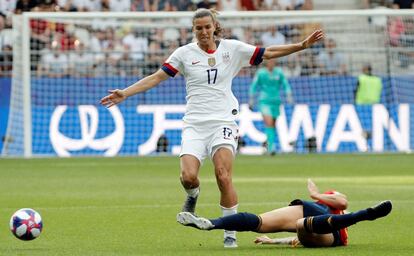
127 206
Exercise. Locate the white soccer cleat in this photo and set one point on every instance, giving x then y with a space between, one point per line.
230 242
189 219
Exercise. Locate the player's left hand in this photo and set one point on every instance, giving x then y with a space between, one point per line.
313 38
263 240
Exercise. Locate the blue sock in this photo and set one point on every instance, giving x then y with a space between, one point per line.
324 224
241 221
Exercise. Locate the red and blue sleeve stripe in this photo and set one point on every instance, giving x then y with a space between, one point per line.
170 70
257 57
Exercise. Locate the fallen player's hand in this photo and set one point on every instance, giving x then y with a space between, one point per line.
263 240
313 189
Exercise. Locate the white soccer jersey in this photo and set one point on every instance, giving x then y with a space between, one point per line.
209 78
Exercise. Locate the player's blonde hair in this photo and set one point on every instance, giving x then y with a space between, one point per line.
202 12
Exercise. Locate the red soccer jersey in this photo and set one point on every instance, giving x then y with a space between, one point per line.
343 232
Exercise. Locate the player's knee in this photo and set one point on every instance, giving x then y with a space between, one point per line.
300 227
188 178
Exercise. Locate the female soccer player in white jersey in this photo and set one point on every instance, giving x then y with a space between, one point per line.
209 66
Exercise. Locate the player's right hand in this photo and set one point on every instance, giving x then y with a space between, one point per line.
114 97
263 240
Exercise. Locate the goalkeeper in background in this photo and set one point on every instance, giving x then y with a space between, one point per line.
268 82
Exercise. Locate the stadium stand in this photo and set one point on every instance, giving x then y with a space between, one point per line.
96 54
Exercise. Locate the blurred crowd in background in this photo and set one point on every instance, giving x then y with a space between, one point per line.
99 49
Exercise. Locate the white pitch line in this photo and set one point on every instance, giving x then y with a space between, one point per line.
149 206
342 179
408 180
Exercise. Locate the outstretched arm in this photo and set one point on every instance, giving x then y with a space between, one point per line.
277 51
335 200
117 96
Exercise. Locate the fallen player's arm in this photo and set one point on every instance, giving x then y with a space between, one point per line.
293 241
334 200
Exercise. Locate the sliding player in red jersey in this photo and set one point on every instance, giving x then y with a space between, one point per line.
319 223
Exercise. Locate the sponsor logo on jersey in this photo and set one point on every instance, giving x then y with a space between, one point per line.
195 62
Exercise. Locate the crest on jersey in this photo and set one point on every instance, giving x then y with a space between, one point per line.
211 62
226 57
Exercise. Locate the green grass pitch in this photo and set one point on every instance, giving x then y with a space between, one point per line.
127 206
